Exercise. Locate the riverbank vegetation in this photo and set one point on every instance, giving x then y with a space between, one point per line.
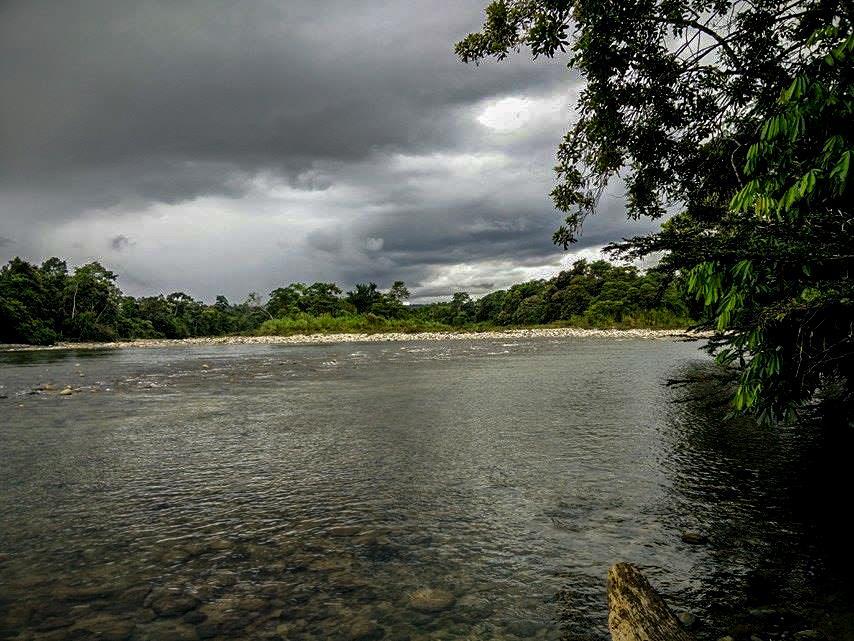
43 304
736 117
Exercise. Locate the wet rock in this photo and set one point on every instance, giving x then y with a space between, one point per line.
220 544
194 617
687 619
637 611
522 629
726 638
53 623
174 556
694 538
364 630
744 630
66 392
232 613
206 630
809 635
327 565
167 631
168 602
765 614
431 600
223 578
107 628
84 593
45 387
756 637
344 530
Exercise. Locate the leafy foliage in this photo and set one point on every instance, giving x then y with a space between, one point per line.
737 116
597 294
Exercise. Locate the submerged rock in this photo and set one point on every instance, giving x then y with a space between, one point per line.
170 603
687 619
364 630
431 600
344 530
694 538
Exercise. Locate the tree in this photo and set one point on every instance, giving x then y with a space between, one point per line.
399 291
91 303
27 307
363 296
736 115
284 301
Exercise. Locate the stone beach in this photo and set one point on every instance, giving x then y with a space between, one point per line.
384 337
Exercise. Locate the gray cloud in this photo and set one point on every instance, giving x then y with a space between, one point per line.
246 144
120 242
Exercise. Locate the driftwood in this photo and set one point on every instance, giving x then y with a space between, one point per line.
636 612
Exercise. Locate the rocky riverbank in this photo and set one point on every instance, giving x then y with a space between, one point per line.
326 339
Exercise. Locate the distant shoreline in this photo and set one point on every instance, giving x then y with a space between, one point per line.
380 337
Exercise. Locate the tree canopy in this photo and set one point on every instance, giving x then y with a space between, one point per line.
733 120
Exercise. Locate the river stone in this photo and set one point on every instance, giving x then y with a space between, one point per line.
194 616
764 614
170 603
522 629
220 544
431 600
66 392
694 538
364 630
167 631
206 630
808 635
107 628
223 578
687 619
344 530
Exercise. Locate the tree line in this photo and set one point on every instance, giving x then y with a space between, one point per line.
43 304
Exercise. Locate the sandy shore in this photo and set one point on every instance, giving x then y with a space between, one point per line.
326 339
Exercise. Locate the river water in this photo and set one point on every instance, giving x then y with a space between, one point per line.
459 490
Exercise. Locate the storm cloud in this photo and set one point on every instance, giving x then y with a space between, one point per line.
243 145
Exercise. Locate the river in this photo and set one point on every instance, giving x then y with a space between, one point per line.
435 490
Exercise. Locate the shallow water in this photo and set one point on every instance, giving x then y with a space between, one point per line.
243 492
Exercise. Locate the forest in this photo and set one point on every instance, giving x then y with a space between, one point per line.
47 303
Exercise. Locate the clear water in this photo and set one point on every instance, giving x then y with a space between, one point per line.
283 492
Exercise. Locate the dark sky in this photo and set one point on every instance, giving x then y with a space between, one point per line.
221 146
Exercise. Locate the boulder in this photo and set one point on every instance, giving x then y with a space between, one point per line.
636 612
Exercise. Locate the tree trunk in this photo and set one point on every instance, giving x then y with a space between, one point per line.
636 612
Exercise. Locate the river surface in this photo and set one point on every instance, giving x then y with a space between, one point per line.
461 490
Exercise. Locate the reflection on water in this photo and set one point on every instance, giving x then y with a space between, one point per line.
417 491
